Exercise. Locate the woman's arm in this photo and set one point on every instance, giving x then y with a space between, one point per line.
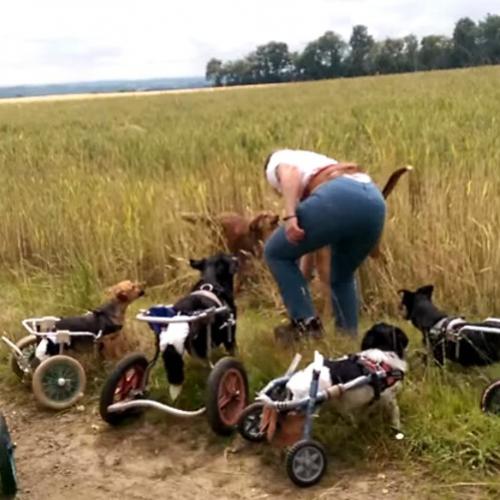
290 180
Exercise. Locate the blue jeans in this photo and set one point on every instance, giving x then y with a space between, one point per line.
344 214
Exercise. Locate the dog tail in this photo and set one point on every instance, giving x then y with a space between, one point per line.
394 179
193 218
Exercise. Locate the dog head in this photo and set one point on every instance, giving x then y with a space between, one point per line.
127 291
386 338
263 225
218 270
409 299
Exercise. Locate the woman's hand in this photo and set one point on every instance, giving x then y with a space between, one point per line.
294 233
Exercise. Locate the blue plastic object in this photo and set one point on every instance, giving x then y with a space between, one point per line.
162 312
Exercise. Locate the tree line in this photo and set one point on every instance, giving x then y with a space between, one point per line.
472 44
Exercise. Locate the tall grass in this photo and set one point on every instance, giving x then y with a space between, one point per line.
100 183
91 191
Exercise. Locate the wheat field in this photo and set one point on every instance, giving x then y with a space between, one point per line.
91 192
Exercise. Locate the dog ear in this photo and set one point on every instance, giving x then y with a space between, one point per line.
401 338
122 296
254 225
198 264
368 341
426 290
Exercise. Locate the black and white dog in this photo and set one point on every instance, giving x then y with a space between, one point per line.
382 350
445 335
214 289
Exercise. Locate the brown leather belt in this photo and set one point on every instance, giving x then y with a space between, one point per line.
329 173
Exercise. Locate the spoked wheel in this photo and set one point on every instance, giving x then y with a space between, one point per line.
27 345
306 463
59 382
250 421
490 400
8 479
125 383
227 395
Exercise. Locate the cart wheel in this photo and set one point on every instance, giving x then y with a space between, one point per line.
227 395
490 400
59 382
125 383
27 345
306 463
8 479
249 423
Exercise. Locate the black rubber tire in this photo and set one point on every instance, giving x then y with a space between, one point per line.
250 418
30 341
302 450
108 391
52 367
216 419
8 478
490 400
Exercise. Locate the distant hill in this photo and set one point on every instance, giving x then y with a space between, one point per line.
104 87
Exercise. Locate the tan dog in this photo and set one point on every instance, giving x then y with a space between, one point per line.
114 345
107 319
242 236
320 260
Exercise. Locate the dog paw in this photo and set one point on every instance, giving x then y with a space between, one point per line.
398 435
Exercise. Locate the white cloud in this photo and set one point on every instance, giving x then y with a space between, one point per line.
60 40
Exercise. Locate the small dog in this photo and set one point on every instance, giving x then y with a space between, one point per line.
108 319
214 289
441 332
320 260
383 349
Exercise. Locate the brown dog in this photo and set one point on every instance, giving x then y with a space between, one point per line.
107 319
242 236
121 296
320 259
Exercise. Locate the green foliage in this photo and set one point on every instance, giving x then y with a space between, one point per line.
330 56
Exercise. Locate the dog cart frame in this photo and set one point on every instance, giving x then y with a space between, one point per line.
290 423
124 393
490 399
8 476
59 381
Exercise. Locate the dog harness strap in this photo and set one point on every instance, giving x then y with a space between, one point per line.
209 295
382 375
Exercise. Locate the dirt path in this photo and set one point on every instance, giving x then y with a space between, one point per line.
76 456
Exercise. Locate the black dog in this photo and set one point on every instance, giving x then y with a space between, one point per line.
441 332
214 289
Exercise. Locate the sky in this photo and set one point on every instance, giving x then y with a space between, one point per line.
51 41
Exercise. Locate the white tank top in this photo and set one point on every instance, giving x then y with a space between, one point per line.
307 163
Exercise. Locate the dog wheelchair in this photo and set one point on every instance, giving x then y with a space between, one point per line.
8 478
490 398
124 393
58 381
286 423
